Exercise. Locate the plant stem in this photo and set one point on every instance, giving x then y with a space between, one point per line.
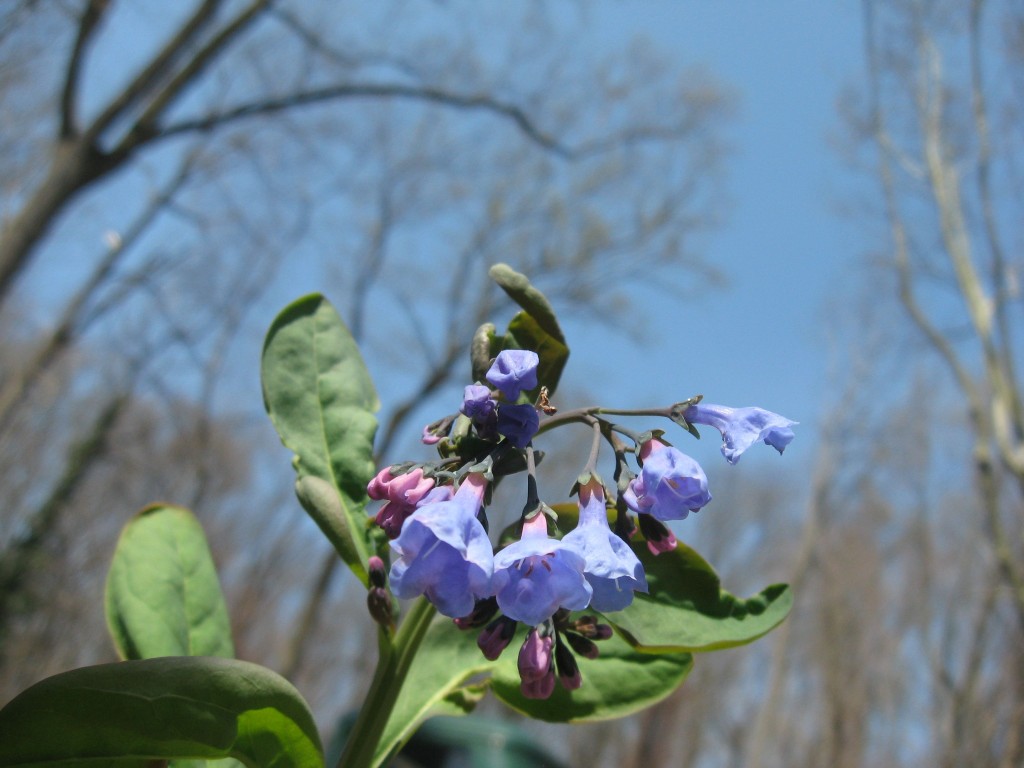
392 667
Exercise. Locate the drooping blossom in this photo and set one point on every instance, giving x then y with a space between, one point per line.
443 552
742 427
612 570
670 485
513 371
537 575
403 492
518 423
536 668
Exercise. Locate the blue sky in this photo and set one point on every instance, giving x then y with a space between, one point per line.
783 248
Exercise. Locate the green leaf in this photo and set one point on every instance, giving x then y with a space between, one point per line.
535 328
445 660
687 610
524 332
535 303
322 402
175 707
619 682
162 594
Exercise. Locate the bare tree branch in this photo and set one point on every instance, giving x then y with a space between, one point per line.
482 102
91 17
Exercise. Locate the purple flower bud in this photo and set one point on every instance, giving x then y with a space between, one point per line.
537 575
742 427
380 606
659 538
568 669
482 613
378 576
670 485
403 493
429 437
444 553
535 666
612 569
513 371
585 647
518 423
496 637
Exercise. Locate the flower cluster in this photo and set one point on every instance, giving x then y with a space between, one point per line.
434 516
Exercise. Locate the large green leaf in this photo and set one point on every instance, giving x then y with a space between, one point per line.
176 707
322 402
687 610
162 594
618 682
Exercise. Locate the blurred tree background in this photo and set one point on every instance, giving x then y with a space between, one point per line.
172 174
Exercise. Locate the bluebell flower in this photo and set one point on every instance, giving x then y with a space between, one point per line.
670 485
742 427
537 575
513 371
477 403
612 569
444 553
518 423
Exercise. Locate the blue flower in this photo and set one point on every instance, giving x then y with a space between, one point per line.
444 553
477 403
513 371
742 427
670 485
518 423
537 575
612 569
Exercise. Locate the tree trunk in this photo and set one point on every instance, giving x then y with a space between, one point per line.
75 164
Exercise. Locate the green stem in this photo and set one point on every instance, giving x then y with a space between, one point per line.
392 667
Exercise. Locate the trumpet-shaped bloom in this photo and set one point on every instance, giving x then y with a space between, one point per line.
444 553
518 423
537 575
742 427
612 570
513 371
670 485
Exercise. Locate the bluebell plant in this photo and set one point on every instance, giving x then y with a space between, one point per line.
434 516
606 606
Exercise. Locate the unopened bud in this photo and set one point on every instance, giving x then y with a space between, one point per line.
483 612
381 606
659 537
378 574
496 637
568 669
583 646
